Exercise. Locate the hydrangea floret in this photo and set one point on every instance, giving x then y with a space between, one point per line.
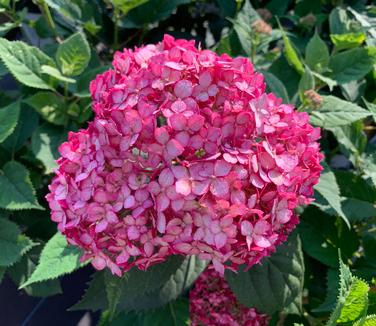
187 154
212 303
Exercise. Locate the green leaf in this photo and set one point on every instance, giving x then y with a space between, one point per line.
45 142
230 45
307 82
369 167
367 321
178 282
50 106
67 8
328 81
352 139
371 107
27 123
73 55
243 26
24 62
317 53
348 40
19 193
146 290
22 270
54 72
57 259
274 85
323 234
332 281
113 291
350 65
126 6
13 244
335 112
345 281
9 118
352 301
276 282
290 53
338 21
157 10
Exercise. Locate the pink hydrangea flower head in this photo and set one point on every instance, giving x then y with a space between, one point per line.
212 303
186 155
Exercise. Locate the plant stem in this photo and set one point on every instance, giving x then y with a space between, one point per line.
47 14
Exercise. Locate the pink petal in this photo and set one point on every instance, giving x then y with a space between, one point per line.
161 223
178 121
196 122
99 263
133 233
222 168
174 148
261 241
183 88
162 202
101 226
219 188
246 228
218 266
261 227
122 258
183 186
166 178
178 106
276 177
220 240
284 215
129 202
287 162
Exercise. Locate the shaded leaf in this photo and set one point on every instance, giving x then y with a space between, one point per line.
9 118
317 53
19 193
275 283
13 244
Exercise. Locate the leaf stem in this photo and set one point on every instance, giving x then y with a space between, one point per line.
116 28
47 14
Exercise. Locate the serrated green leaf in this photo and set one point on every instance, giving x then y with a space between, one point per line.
24 62
179 281
67 8
371 107
335 112
2 273
274 85
350 65
73 55
27 123
367 321
317 53
19 194
54 72
276 283
57 259
45 142
23 269
50 106
348 40
369 167
140 292
329 190
113 291
356 302
9 118
345 281
13 244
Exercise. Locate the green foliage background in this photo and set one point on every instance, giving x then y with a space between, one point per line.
318 55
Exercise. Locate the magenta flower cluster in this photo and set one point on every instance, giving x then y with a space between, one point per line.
212 303
187 154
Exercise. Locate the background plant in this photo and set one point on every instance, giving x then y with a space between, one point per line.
319 55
